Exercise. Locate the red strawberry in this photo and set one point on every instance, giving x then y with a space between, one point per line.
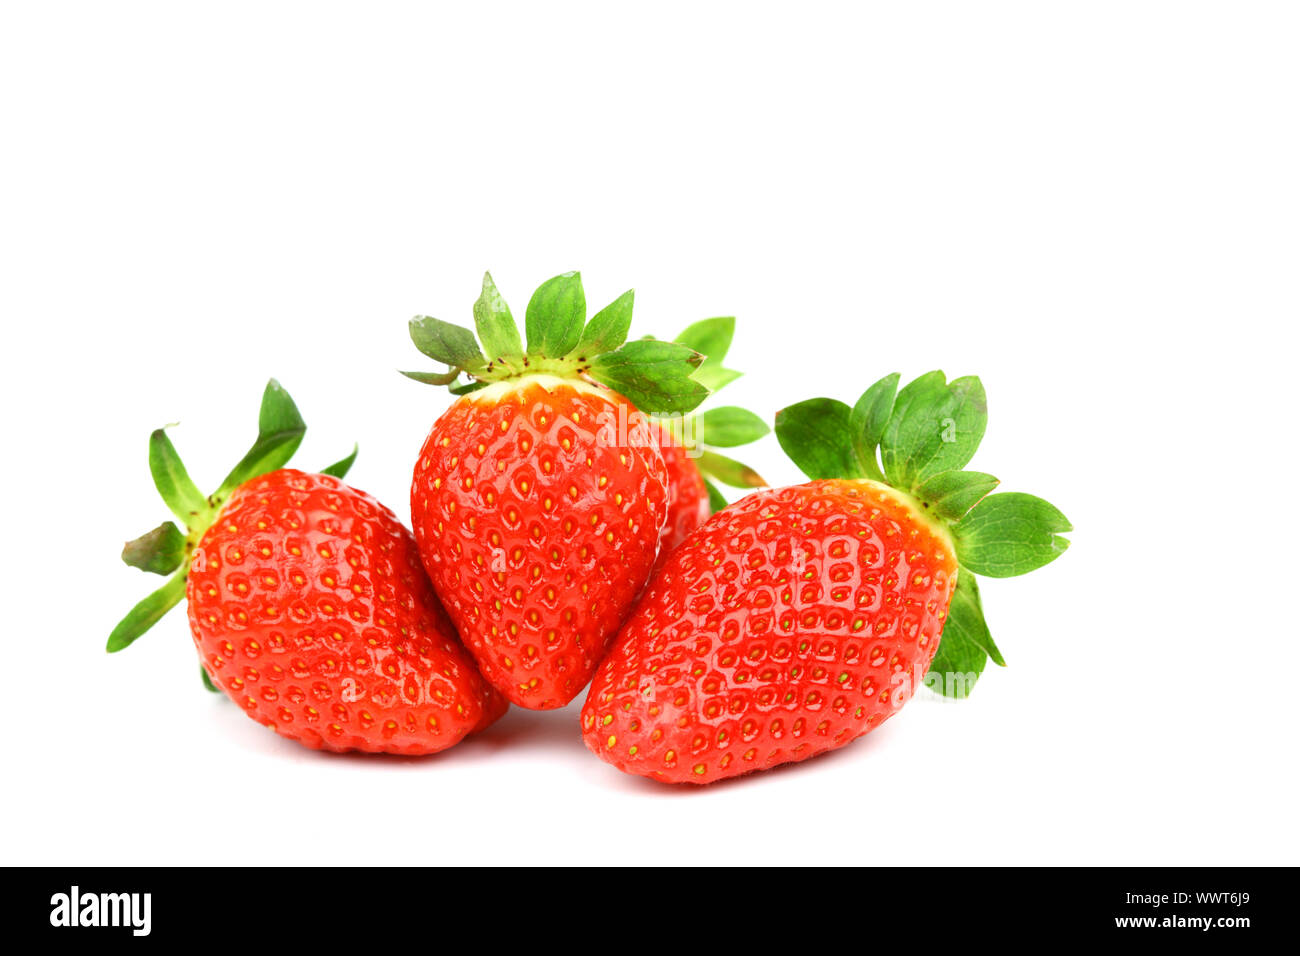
539 496
689 504
537 534
308 604
800 618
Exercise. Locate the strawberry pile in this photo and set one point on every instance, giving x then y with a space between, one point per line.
569 533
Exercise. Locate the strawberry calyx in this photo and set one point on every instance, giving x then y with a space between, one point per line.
917 440
730 426
657 377
166 549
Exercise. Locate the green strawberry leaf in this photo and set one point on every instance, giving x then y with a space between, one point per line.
496 326
815 435
1010 534
160 551
279 433
710 337
654 376
435 378
714 377
173 482
148 612
468 387
341 468
207 681
729 426
966 644
555 316
728 471
953 493
868 421
977 629
443 342
963 428
914 428
607 329
716 500
935 427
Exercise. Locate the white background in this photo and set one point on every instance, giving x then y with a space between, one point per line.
1094 206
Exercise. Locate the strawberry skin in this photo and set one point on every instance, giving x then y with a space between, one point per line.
789 624
688 496
310 609
537 503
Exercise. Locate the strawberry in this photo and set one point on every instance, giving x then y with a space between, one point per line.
538 497
689 494
693 466
307 602
800 618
